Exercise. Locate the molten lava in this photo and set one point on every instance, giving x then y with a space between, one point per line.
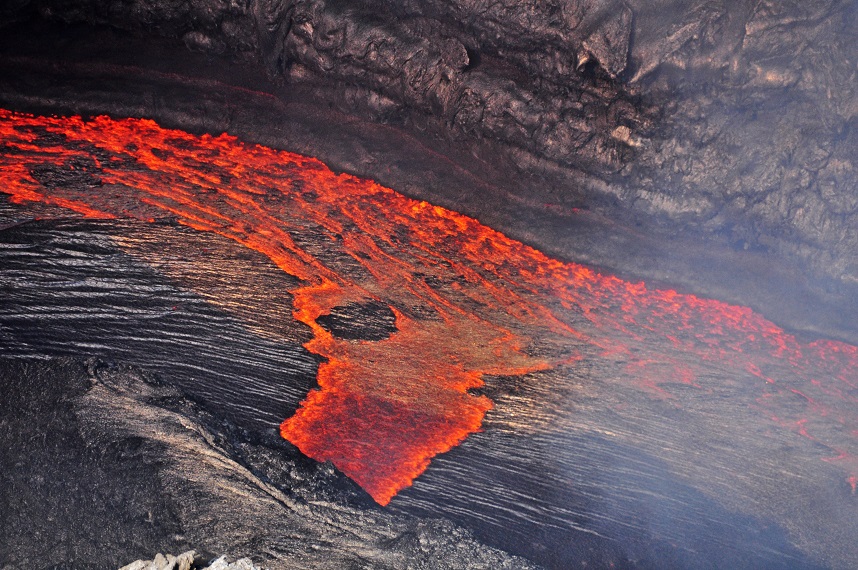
467 300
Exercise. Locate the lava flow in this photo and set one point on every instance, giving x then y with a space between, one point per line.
467 300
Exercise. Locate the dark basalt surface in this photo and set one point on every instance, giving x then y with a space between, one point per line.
708 146
103 464
372 320
727 118
166 438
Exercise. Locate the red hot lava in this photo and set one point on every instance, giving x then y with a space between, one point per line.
468 301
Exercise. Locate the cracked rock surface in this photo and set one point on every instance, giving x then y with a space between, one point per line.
729 119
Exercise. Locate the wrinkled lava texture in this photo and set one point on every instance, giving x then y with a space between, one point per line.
453 300
728 118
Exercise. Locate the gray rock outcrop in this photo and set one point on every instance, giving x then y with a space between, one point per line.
189 561
732 120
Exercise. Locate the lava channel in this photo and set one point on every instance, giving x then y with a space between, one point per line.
467 301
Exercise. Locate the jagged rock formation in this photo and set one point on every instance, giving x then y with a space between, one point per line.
729 119
189 561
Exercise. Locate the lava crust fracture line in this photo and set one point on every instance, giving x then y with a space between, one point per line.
467 300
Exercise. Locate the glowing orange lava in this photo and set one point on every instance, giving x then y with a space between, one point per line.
468 301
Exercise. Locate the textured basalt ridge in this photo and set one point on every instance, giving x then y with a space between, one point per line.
731 119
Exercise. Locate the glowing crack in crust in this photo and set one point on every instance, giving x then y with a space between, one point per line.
468 301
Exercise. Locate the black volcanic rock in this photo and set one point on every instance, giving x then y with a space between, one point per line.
76 171
61 497
372 320
734 120
709 144
103 464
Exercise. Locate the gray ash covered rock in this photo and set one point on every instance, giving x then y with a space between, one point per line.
189 561
104 463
